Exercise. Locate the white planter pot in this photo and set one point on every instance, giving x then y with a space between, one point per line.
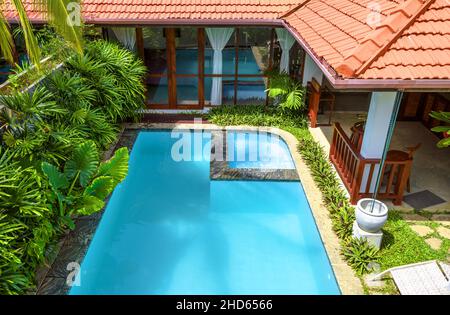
371 214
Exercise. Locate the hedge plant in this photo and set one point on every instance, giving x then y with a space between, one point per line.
50 142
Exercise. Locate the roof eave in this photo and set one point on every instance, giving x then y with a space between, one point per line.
370 84
221 22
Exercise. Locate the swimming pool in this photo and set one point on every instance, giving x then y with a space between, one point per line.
170 229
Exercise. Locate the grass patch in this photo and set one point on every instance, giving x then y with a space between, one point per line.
401 245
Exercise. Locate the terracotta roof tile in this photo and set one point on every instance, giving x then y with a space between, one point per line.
403 46
175 9
408 43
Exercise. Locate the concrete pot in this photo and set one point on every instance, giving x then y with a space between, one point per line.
371 220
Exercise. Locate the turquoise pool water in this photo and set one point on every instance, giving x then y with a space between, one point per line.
258 150
169 229
187 87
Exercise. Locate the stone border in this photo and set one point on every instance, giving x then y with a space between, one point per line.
76 243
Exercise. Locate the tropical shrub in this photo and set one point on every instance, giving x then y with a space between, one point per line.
50 170
358 253
255 115
84 184
286 92
117 77
23 213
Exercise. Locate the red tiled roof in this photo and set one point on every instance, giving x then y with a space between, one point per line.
125 10
411 40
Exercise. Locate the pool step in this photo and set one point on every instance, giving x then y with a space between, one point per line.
220 169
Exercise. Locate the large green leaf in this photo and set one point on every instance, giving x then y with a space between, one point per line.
84 162
89 205
100 187
56 179
116 167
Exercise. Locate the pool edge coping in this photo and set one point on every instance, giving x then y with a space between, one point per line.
348 282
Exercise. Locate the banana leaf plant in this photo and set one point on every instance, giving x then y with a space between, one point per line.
84 183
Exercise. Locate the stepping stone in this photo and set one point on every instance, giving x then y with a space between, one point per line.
444 232
422 230
413 217
434 243
443 219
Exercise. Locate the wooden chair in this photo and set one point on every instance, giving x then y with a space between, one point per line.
398 155
357 132
327 97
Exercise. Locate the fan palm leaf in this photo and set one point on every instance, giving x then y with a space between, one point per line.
6 39
65 17
34 53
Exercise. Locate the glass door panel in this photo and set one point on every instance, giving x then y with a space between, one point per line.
156 61
187 66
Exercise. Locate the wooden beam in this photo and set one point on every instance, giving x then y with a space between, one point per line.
272 41
201 66
105 33
140 42
171 67
236 64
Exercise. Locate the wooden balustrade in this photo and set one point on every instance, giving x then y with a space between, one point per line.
358 173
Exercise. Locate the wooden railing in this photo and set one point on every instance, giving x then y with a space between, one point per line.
358 173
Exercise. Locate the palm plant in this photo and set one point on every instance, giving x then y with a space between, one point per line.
287 93
117 76
22 207
55 12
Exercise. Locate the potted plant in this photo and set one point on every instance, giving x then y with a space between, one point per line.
371 214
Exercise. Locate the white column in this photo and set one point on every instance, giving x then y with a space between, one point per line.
382 105
311 71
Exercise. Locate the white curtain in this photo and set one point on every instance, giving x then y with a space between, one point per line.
286 41
218 37
125 35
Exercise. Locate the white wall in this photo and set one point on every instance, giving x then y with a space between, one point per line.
311 71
